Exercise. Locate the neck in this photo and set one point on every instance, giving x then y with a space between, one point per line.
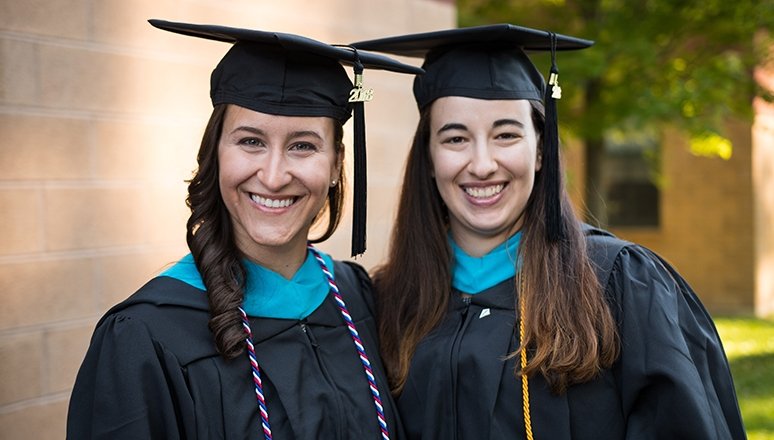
478 245
284 260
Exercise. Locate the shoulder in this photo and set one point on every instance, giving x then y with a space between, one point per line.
354 283
636 279
603 245
161 295
351 272
625 268
611 255
170 313
604 250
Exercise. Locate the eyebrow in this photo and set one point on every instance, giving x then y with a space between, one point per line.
305 133
501 122
496 124
452 126
292 135
249 129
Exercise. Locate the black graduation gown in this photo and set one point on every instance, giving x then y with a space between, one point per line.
152 372
672 380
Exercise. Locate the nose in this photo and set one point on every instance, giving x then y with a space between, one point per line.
482 162
274 171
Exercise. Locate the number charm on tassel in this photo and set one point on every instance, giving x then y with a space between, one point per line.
359 94
553 81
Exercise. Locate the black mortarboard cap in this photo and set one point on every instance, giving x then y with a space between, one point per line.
291 75
490 62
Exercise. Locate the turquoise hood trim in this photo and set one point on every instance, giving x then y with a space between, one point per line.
475 274
269 294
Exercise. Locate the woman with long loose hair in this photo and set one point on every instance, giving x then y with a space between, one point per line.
501 315
255 333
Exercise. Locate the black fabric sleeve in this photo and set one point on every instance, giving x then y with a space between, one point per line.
125 387
673 374
358 277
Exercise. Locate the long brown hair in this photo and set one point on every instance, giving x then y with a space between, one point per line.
569 328
210 237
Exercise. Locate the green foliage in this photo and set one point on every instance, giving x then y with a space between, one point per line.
711 145
749 345
683 62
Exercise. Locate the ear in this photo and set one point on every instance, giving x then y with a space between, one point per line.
539 158
339 162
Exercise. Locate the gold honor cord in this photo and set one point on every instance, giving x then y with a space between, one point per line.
524 379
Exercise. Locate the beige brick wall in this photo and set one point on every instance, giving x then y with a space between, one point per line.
101 116
706 228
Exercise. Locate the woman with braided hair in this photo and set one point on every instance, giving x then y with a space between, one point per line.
255 333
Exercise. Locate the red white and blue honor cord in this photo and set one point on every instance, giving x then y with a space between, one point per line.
355 339
358 344
256 376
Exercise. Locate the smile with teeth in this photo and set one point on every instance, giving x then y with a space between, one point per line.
483 192
272 203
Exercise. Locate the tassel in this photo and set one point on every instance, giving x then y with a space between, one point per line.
361 185
359 207
550 166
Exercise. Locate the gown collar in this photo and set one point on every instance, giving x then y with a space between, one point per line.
267 293
473 275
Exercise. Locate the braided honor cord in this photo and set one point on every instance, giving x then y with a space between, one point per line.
355 338
358 344
256 376
523 358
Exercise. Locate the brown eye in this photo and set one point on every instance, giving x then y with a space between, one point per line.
304 146
250 141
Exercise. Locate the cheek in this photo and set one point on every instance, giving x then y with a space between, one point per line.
227 188
443 165
226 171
233 170
531 164
222 171
317 175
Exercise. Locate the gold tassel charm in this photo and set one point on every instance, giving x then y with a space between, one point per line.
553 82
358 93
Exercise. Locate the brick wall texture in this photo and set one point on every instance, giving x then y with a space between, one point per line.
706 225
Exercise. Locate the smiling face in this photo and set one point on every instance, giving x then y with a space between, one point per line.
274 175
485 156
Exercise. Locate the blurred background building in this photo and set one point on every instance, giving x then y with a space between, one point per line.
101 116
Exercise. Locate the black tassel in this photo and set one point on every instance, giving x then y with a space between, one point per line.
361 183
550 166
359 207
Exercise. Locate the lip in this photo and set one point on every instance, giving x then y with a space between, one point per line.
482 186
274 204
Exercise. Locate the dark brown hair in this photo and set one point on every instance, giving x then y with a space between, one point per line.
210 237
569 328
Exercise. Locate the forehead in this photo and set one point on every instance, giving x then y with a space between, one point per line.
469 111
237 116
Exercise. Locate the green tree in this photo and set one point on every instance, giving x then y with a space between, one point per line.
686 63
